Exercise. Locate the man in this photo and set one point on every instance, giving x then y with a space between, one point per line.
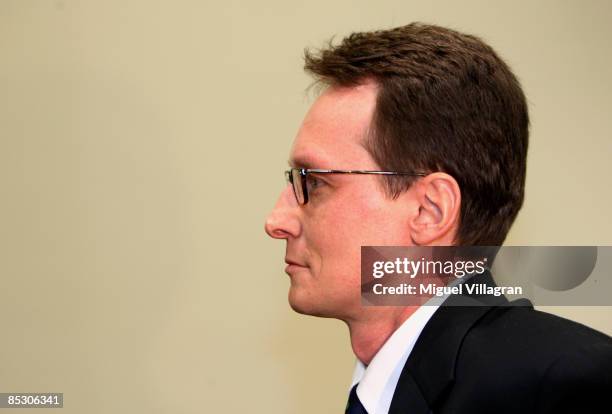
420 139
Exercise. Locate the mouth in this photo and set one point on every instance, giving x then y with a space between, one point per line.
292 266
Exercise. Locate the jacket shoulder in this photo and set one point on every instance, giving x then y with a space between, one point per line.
529 358
524 328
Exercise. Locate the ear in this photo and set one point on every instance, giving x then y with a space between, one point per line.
439 206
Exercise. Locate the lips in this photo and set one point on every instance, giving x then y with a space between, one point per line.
293 265
292 262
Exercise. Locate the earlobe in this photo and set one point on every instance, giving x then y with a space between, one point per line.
437 220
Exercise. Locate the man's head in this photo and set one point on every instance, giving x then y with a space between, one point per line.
413 99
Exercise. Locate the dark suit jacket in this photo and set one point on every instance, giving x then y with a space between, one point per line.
504 357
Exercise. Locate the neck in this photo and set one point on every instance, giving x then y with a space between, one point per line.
369 333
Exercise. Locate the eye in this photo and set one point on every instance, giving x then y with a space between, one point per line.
313 183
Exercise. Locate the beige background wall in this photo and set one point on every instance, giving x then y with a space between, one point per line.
142 144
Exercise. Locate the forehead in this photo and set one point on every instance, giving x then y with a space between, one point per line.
332 133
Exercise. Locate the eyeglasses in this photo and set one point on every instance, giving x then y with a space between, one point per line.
298 177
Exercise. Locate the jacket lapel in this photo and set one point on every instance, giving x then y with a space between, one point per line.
430 368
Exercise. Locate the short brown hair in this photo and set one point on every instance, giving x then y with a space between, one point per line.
446 102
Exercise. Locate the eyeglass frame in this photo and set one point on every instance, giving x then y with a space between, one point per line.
303 172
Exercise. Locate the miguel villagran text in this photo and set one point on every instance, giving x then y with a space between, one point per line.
431 289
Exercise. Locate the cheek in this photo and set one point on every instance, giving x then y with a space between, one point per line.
334 253
335 241
369 220
341 234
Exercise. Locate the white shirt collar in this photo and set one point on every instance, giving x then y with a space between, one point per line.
378 380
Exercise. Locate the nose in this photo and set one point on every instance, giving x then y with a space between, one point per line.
283 221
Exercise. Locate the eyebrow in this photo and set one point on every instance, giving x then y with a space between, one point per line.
304 162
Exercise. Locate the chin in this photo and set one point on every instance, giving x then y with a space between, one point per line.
304 305
300 304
